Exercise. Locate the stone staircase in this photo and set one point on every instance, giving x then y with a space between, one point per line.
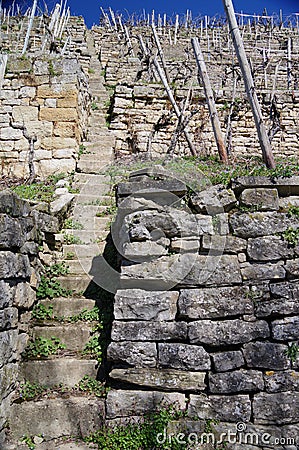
61 418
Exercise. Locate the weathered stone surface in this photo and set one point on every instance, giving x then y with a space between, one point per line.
280 408
276 307
137 354
225 361
183 356
263 272
6 295
14 265
11 204
214 200
170 380
8 318
233 408
286 329
218 244
185 245
133 403
45 222
74 416
285 185
260 224
58 114
143 251
292 268
268 248
149 331
236 381
60 206
184 269
136 304
289 290
8 345
227 332
23 295
281 381
263 199
214 302
73 336
11 233
266 355
8 133
24 114
153 187
8 378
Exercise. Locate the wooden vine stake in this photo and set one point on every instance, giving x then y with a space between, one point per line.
29 27
210 100
249 85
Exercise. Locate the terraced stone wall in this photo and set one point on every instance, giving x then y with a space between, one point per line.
206 314
22 230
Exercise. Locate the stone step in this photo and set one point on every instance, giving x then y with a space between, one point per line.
89 224
54 444
82 251
83 178
93 165
68 306
88 198
88 236
52 372
80 266
99 149
55 418
77 284
97 120
74 336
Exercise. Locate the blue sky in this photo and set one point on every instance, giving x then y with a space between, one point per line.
90 9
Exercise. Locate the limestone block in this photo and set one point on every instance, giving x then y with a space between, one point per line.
74 337
190 245
275 307
4 119
11 204
214 302
166 379
260 224
266 355
45 222
11 233
226 332
56 90
27 91
286 290
268 248
22 146
143 305
65 130
8 378
225 361
60 206
25 114
6 295
285 185
14 266
214 200
183 357
64 153
42 154
48 167
8 133
292 268
133 403
233 408
137 354
286 329
8 345
58 114
281 381
280 408
40 129
263 272
50 143
50 102
23 296
219 243
154 331
262 199
236 381
69 101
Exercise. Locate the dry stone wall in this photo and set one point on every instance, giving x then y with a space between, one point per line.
22 230
206 316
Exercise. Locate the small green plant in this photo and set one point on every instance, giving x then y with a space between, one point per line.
72 225
70 255
91 71
293 211
49 286
94 106
29 391
92 386
292 352
43 347
42 312
28 441
86 315
93 347
71 239
109 210
291 235
51 69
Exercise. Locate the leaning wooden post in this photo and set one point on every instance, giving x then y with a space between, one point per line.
160 51
249 85
29 27
210 100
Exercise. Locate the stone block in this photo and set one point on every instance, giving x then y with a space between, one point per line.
236 381
166 379
6 294
8 133
54 143
40 129
8 318
58 114
183 357
45 222
27 92
137 403
279 408
233 408
226 332
184 245
218 244
214 302
276 307
8 346
284 185
65 129
56 90
23 295
268 248
24 114
266 355
11 204
256 272
154 187
292 268
8 378
14 266
11 233
281 381
73 336
288 290
137 354
144 305
257 224
286 329
225 361
153 331
214 200
262 199
142 251
48 167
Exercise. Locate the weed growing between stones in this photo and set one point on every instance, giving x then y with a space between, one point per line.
29 391
42 312
292 352
49 286
293 211
93 347
72 224
40 191
70 239
291 235
28 441
43 347
92 386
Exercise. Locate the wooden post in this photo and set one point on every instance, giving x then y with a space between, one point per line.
210 100
249 85
289 63
160 51
29 27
